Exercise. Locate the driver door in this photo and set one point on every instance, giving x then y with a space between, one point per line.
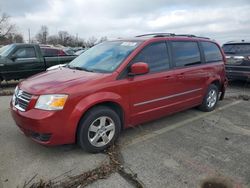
23 63
149 93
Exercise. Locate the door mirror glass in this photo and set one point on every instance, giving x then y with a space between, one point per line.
138 69
13 57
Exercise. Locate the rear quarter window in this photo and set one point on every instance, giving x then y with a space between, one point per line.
185 53
212 52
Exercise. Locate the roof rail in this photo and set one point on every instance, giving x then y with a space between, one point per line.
156 35
190 35
170 35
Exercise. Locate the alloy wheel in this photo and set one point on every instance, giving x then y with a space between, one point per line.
212 98
101 131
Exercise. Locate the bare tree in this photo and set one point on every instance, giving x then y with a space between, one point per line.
6 27
102 39
64 38
42 35
91 42
53 39
18 38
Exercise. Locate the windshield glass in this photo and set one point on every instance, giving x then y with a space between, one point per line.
104 57
236 48
5 50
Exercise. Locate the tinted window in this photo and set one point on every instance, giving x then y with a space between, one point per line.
155 55
25 53
211 51
186 53
236 48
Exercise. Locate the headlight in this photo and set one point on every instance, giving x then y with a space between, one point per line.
51 102
14 96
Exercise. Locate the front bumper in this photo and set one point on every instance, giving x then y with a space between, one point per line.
44 127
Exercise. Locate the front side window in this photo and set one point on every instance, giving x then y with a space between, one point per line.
155 55
185 53
104 57
211 51
25 53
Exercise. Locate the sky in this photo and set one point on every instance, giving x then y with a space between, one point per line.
221 20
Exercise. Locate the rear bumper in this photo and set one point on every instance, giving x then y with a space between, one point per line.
241 73
44 127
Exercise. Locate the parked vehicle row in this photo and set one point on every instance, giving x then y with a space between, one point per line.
18 61
237 55
118 84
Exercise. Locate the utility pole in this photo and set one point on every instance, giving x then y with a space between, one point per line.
76 39
29 34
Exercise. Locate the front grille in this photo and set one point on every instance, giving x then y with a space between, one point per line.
21 99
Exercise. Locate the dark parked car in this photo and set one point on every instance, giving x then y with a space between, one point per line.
80 52
238 59
69 51
19 61
118 84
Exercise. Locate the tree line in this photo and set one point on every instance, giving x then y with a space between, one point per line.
65 39
9 34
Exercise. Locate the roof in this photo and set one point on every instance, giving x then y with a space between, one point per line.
238 42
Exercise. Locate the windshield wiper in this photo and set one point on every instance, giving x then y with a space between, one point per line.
80 68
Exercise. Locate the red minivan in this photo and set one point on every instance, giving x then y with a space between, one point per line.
119 84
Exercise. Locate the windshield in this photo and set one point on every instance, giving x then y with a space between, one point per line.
104 57
236 48
5 50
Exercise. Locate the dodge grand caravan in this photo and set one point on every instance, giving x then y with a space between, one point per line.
119 84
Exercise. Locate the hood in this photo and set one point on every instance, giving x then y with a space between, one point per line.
56 81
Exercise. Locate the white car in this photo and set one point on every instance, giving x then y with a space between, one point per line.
56 67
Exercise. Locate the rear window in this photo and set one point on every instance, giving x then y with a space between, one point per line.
237 48
186 53
212 52
50 52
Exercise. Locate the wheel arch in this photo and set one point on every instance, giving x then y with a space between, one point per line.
217 83
113 103
221 85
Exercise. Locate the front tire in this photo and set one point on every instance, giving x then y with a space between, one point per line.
211 98
98 129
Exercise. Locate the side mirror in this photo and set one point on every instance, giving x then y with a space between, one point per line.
138 69
13 57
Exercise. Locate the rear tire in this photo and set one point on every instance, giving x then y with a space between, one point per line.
211 98
98 129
